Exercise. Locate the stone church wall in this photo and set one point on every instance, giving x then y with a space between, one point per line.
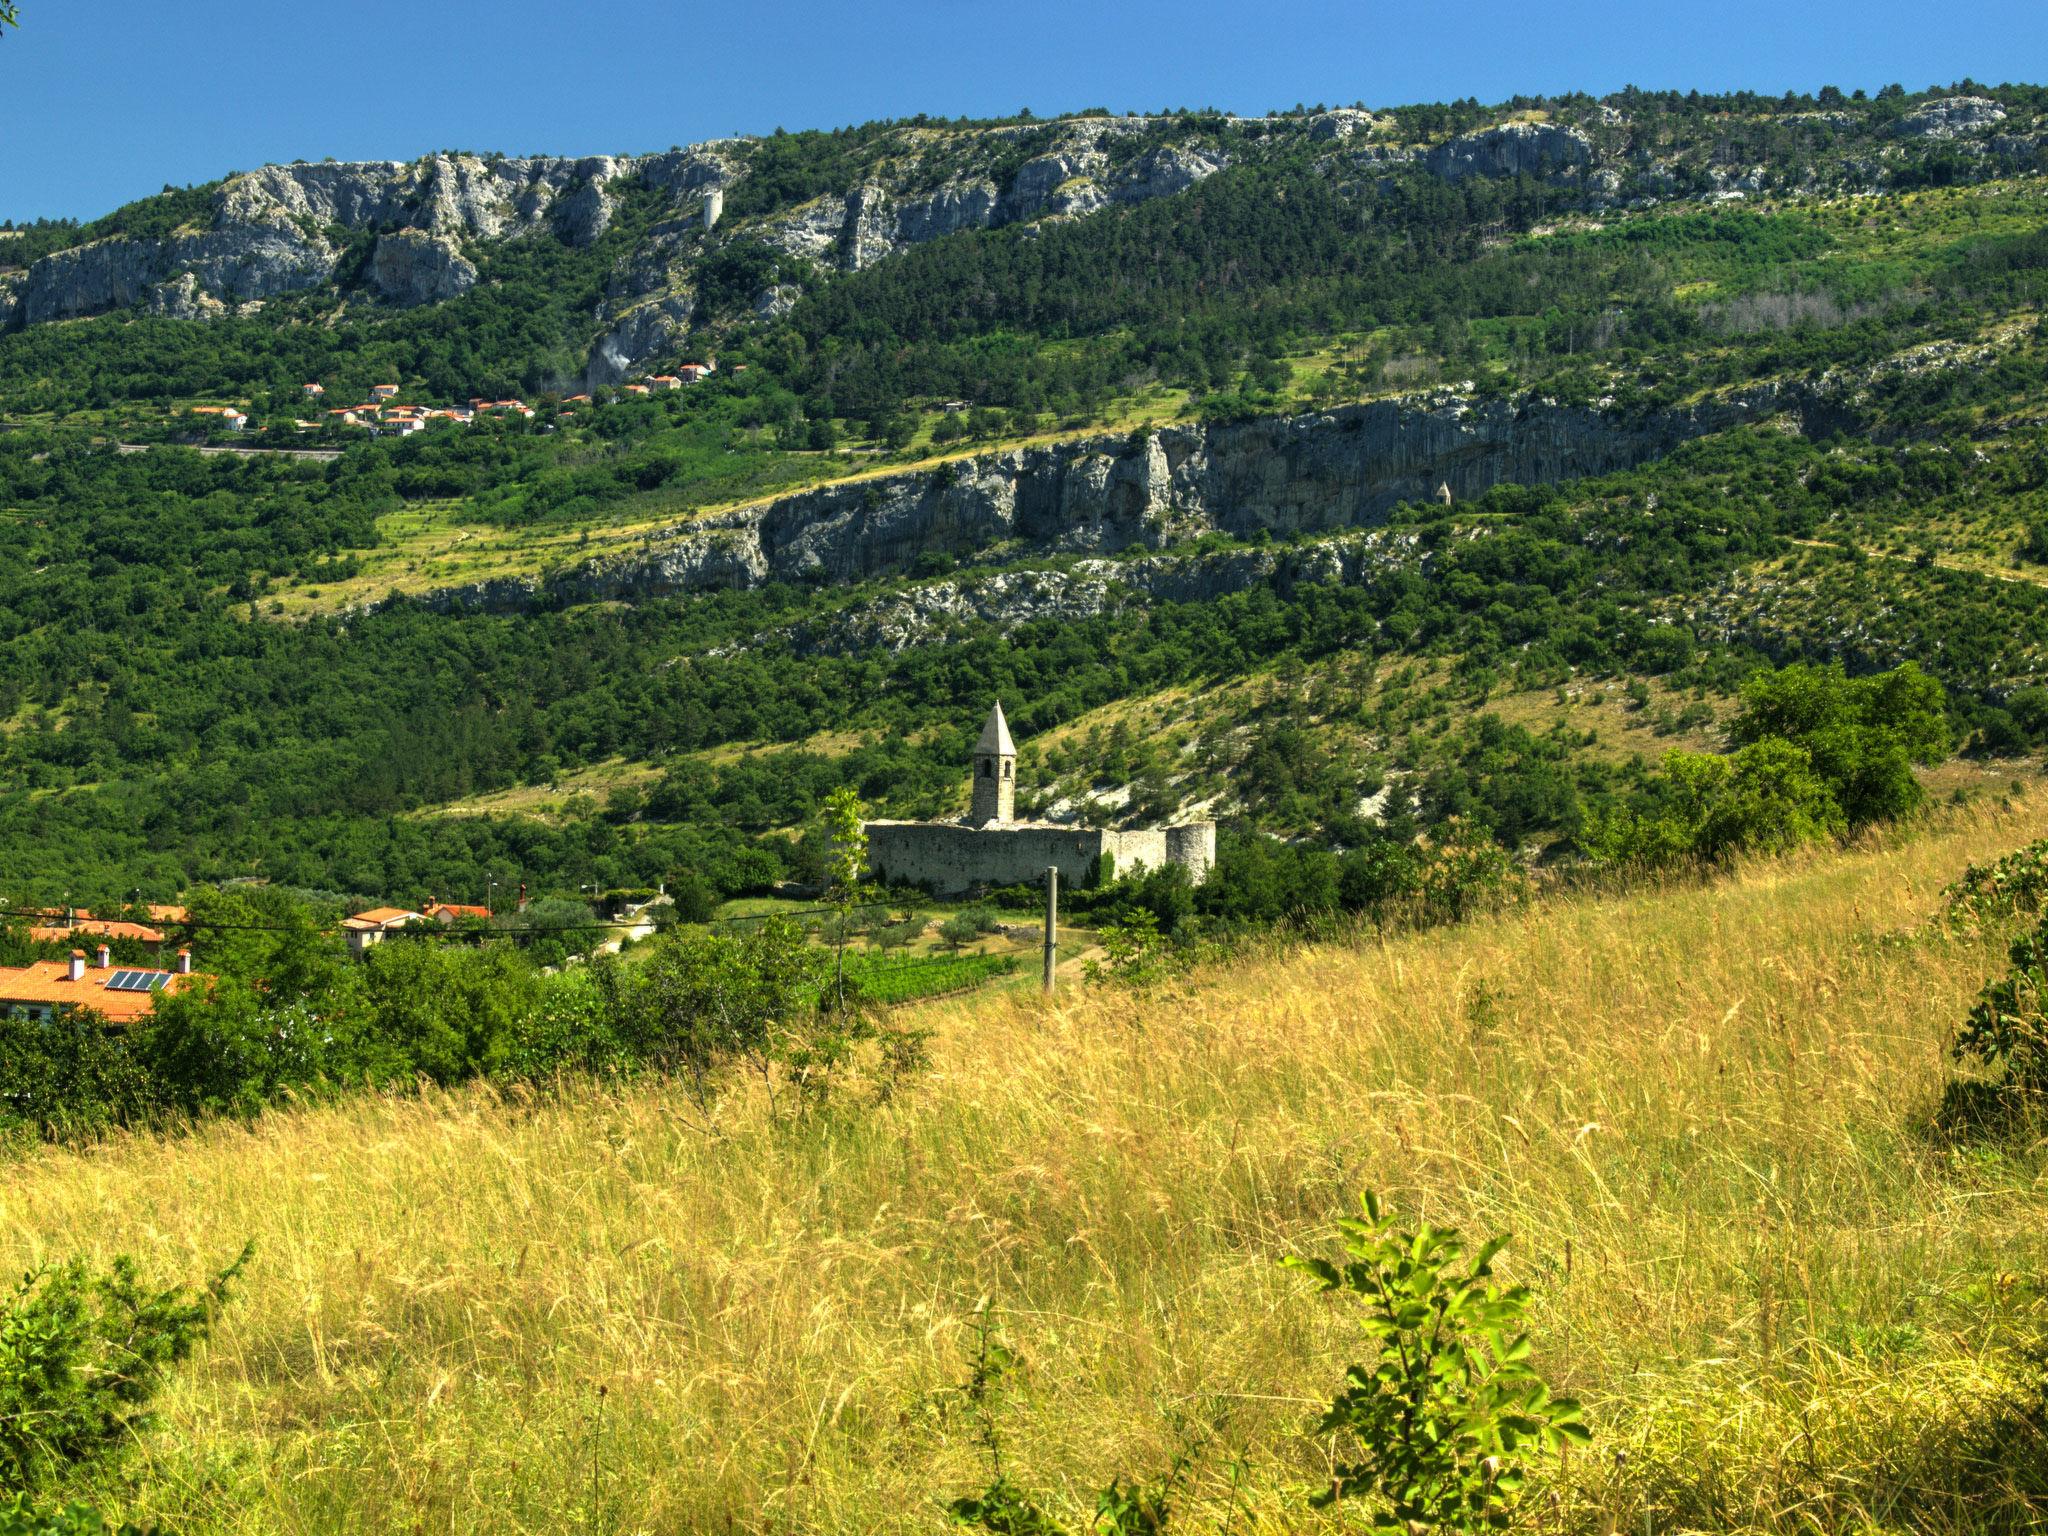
949 859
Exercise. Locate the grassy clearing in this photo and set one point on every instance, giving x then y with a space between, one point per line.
1703 1112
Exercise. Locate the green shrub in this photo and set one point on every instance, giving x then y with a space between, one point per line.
2008 1027
1439 1423
1133 951
82 1352
1438 1427
1862 735
2013 884
20 1517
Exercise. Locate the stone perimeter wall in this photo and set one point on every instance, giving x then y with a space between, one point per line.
950 859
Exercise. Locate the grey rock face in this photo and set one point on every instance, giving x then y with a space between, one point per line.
1339 124
1322 473
1091 588
868 235
183 299
1164 172
684 173
953 207
1036 189
108 274
410 268
811 232
269 232
643 333
1948 117
245 262
773 303
1513 149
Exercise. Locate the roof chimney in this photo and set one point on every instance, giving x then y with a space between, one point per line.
184 962
76 971
106 958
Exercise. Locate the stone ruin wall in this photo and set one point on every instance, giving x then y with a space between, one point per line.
949 859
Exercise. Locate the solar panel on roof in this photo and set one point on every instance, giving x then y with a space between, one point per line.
137 981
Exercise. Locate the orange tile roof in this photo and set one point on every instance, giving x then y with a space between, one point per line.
49 981
381 917
82 921
453 909
171 914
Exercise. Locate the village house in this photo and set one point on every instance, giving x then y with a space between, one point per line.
312 391
62 923
374 926
665 381
448 913
690 373
231 418
383 391
118 994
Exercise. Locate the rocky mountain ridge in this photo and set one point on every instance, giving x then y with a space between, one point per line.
425 229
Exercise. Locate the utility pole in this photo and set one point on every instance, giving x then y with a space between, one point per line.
1052 924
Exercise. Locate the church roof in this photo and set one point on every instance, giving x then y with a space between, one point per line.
995 737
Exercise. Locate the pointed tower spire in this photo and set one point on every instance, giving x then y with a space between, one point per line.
995 772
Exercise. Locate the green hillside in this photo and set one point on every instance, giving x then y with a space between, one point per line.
236 665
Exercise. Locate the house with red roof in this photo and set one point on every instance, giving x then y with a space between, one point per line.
61 923
120 994
448 913
376 925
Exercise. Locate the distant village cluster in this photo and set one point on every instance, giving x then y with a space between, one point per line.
90 979
383 414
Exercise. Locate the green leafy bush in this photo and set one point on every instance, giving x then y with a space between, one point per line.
20 1517
2013 884
1438 1427
82 1353
1439 1423
2008 1026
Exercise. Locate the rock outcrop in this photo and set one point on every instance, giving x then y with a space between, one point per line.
1542 150
1321 473
281 230
642 333
1949 117
183 299
1092 587
411 267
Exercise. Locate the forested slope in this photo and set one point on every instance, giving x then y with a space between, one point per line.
205 675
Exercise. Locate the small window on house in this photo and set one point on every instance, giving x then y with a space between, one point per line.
988 769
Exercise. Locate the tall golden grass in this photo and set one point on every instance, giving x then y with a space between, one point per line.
1703 1112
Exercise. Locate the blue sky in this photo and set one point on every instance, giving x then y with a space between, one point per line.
102 101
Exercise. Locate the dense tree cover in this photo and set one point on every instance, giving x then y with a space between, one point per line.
1819 754
159 735
156 729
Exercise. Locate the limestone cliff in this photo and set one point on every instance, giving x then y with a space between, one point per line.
1320 473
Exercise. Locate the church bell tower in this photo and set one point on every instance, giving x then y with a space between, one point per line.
995 773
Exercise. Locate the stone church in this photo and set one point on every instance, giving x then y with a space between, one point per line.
992 847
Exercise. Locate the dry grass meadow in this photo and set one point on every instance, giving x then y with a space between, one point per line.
1703 1112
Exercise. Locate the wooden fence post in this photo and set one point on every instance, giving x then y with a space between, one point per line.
1052 924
